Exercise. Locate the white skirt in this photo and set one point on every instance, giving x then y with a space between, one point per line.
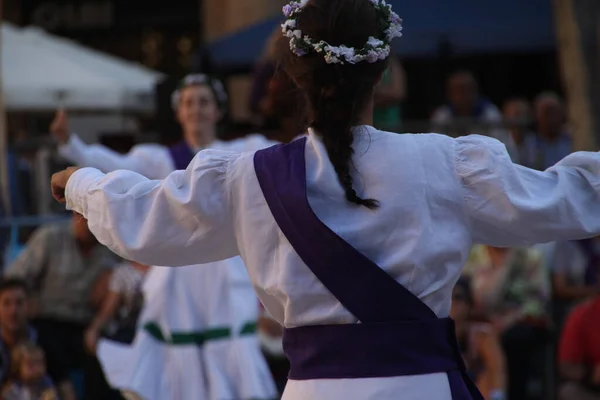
193 299
416 387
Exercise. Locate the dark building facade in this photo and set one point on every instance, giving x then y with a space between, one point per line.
162 35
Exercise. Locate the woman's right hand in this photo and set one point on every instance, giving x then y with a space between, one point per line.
60 127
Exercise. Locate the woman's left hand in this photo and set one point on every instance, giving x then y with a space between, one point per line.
59 183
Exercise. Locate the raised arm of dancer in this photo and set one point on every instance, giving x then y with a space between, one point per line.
183 220
147 159
510 205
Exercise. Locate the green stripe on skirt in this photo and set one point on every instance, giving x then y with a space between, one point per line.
197 338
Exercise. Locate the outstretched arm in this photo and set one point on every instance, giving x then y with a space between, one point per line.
147 160
510 205
184 219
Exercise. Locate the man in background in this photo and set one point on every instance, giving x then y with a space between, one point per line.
554 141
467 112
60 264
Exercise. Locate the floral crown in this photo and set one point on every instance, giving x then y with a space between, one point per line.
374 50
200 79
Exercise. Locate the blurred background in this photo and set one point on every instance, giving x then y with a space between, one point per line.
526 72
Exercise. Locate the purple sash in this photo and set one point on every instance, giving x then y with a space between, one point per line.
398 334
182 155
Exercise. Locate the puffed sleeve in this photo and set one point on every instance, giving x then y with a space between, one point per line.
184 219
510 205
150 160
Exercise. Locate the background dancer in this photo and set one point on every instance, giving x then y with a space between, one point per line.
203 319
350 224
199 104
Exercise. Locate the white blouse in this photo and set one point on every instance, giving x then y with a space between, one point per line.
438 195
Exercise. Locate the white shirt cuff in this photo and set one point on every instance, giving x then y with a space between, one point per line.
78 187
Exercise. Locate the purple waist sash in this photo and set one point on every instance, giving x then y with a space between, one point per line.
398 334
372 350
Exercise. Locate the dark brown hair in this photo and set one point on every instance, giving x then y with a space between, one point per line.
7 284
336 94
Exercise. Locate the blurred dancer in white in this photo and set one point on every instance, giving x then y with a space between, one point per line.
353 237
196 334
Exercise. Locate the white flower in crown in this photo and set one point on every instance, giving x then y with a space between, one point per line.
289 24
330 58
374 42
374 50
394 31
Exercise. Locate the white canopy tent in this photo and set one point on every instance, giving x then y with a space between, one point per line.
43 72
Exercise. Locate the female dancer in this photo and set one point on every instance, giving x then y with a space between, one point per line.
196 335
350 224
199 103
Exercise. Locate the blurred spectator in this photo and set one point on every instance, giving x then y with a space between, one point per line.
202 61
263 72
100 290
15 329
478 344
554 142
61 263
284 106
518 117
388 95
468 112
511 288
20 198
118 314
568 264
579 353
122 301
270 334
591 248
19 170
28 380
129 395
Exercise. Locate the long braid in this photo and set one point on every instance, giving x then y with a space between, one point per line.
333 118
337 94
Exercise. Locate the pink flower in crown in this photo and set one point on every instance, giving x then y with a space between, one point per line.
294 6
372 56
287 10
299 52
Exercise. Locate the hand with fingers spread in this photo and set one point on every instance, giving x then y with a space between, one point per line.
60 126
59 183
